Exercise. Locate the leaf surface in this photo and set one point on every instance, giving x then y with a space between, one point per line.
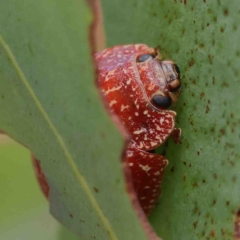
201 196
49 103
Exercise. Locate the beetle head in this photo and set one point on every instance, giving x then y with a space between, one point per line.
161 79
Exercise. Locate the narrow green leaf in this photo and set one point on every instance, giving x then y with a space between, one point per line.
49 103
200 196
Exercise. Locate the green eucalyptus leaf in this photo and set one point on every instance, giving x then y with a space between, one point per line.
49 103
200 195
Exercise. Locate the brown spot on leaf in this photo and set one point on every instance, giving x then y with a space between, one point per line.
202 95
70 215
95 189
191 63
212 234
195 224
195 184
225 12
184 178
207 109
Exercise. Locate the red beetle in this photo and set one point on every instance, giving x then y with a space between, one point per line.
139 89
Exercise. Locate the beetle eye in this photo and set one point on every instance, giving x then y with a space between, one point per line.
144 57
161 101
177 70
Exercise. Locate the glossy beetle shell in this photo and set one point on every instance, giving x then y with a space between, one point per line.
129 78
128 86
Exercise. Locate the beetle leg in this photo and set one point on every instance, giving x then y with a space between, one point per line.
147 171
176 135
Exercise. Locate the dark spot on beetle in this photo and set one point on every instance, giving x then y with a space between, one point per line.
203 181
201 45
185 163
215 176
195 224
172 169
185 2
214 202
70 215
225 12
212 234
204 1
227 203
190 165
95 189
208 24
198 153
191 63
222 29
